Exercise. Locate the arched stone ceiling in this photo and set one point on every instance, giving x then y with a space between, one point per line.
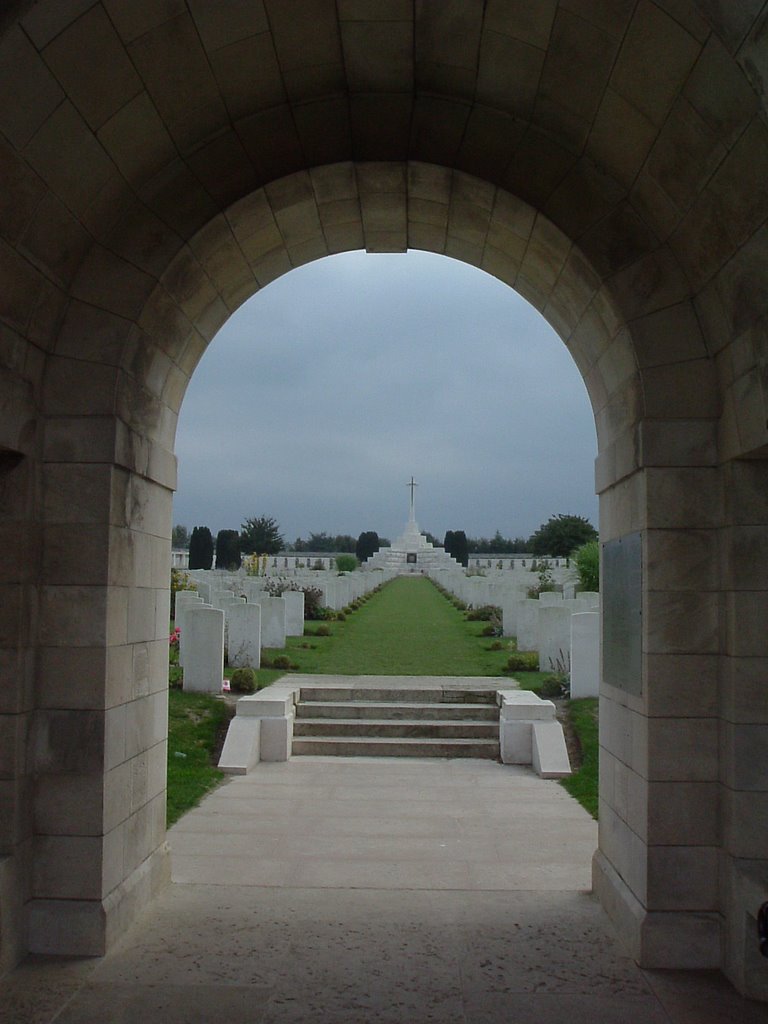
635 128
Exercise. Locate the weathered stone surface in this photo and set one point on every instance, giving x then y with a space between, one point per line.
163 160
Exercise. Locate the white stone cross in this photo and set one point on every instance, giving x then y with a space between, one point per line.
413 485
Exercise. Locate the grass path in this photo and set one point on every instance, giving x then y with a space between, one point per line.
408 628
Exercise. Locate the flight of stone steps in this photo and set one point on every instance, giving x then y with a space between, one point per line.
439 722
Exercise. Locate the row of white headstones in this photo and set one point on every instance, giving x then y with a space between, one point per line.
563 626
234 612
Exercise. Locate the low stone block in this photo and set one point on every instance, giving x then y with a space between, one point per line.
515 742
523 705
276 738
241 747
550 754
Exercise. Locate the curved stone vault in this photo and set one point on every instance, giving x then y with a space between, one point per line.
162 160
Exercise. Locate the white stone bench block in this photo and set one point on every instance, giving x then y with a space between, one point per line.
266 704
276 738
265 732
529 733
524 705
516 742
550 754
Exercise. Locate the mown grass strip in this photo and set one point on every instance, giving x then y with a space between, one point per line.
195 721
583 784
407 628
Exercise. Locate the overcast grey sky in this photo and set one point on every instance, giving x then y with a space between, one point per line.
323 394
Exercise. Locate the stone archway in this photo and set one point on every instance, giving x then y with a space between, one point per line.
154 186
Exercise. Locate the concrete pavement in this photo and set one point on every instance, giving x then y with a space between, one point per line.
347 891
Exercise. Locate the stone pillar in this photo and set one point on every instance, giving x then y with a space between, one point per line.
99 748
22 555
744 722
204 650
244 636
656 871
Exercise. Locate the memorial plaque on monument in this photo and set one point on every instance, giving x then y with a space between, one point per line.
410 557
622 601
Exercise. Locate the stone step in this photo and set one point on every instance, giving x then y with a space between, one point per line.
410 728
328 694
324 746
383 709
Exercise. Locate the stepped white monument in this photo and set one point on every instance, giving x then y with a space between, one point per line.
411 552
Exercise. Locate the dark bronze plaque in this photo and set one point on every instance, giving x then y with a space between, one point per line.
621 588
411 557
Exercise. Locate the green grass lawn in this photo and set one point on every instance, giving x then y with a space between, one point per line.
407 628
583 784
194 723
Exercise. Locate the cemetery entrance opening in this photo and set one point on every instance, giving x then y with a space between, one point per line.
150 187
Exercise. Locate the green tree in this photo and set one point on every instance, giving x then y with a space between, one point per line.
201 548
367 545
180 537
561 535
325 542
260 536
228 549
587 562
456 546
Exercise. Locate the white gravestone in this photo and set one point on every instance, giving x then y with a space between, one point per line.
294 612
204 650
272 621
184 601
527 625
244 629
585 654
554 638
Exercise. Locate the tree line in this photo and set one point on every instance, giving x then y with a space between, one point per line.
560 536
261 536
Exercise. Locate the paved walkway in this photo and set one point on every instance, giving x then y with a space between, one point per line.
334 891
